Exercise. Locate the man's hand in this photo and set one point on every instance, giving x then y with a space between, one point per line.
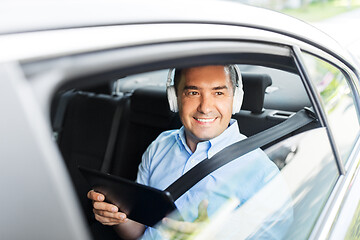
173 229
106 213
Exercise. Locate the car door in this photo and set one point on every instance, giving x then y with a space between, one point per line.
312 175
338 91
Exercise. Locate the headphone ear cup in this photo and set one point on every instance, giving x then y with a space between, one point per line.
171 95
238 99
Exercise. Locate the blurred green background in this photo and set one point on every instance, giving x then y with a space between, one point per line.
307 10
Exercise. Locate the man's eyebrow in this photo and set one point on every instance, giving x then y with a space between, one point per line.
191 88
220 87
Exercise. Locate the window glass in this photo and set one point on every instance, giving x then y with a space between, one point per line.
285 85
353 231
283 204
310 174
288 206
148 79
287 203
338 102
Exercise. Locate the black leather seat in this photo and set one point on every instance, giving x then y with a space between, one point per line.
149 116
84 135
253 118
254 86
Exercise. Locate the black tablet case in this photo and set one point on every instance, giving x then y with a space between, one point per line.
140 203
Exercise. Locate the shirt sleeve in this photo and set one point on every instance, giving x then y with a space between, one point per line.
147 161
143 174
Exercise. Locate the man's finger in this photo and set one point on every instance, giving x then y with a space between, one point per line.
105 206
202 210
117 215
95 196
108 221
179 226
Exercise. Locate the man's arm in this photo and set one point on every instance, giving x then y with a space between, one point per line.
108 214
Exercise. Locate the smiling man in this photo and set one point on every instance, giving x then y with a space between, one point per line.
204 97
205 107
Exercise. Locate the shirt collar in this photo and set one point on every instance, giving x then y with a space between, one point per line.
181 139
226 138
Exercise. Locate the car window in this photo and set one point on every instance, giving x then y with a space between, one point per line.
295 183
284 85
291 201
310 174
288 206
148 79
338 102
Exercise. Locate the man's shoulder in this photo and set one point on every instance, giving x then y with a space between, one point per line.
162 143
167 135
165 138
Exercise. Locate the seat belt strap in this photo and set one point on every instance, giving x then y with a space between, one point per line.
238 149
60 113
109 152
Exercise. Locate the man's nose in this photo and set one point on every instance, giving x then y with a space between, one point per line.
206 104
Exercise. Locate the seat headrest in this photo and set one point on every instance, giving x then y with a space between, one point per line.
150 107
254 86
150 100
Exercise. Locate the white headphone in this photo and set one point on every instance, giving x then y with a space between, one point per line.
238 94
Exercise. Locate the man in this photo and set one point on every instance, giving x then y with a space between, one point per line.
205 99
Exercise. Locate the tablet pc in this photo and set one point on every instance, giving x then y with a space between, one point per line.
140 203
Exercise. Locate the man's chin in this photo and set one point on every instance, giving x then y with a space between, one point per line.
204 137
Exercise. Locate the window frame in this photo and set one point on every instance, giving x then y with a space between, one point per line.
72 74
327 221
317 104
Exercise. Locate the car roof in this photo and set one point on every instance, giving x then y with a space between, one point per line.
44 15
27 16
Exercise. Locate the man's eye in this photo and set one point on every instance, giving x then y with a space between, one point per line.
193 93
219 93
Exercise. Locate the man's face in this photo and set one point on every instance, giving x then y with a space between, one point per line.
205 99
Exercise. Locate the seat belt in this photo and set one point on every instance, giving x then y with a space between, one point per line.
109 152
238 149
60 113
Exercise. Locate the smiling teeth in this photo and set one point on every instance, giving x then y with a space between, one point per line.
205 120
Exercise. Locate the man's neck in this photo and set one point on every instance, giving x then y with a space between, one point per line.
192 145
192 141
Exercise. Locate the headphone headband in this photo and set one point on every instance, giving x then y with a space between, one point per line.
169 78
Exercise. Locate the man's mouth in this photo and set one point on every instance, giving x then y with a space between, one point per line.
205 120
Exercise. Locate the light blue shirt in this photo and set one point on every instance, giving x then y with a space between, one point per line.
169 157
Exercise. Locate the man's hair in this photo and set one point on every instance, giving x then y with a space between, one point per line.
229 69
